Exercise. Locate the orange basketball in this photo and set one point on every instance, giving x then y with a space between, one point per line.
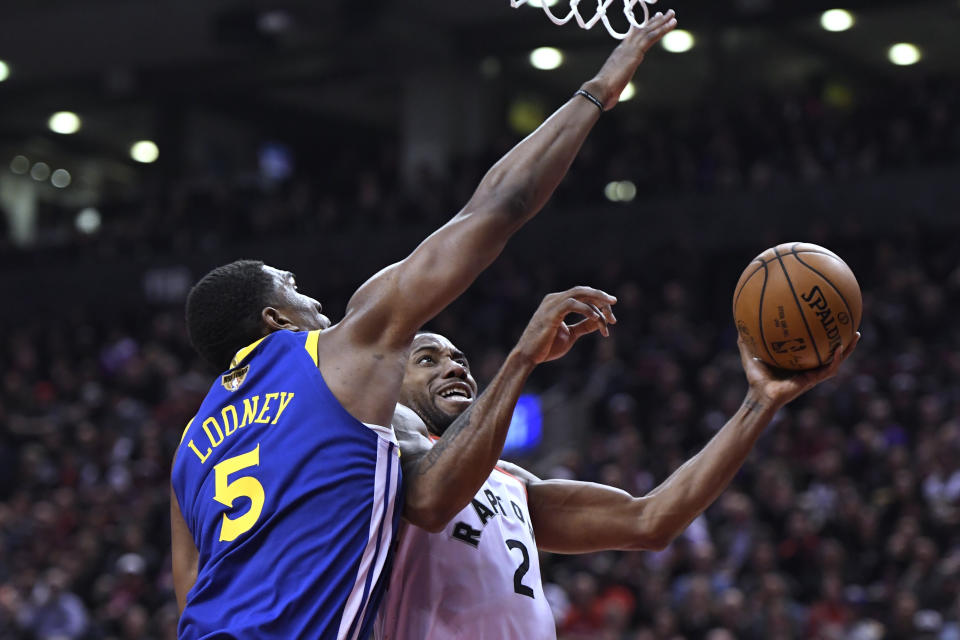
795 304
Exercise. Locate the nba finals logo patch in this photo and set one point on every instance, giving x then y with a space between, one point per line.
233 380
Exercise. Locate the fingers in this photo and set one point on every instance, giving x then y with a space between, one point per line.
590 312
603 330
586 301
594 295
606 311
853 345
840 356
745 354
837 358
659 25
602 300
586 326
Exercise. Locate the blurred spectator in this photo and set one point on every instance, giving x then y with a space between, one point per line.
53 612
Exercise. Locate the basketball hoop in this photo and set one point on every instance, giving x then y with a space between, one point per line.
599 16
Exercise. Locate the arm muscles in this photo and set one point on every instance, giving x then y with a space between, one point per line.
396 302
578 517
581 517
383 315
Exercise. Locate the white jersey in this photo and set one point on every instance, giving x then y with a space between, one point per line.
478 579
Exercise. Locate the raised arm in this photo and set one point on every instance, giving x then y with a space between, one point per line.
581 517
396 302
383 315
442 477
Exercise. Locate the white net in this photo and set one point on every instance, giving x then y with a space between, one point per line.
599 16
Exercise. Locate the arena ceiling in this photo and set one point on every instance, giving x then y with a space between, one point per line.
297 63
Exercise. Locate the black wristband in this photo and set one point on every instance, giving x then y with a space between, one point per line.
589 96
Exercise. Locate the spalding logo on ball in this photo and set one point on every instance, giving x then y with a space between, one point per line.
795 304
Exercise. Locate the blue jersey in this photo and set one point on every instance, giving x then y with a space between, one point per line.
292 502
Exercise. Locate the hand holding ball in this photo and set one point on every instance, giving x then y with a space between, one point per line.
795 304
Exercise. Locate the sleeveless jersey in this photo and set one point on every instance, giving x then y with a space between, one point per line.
478 579
292 502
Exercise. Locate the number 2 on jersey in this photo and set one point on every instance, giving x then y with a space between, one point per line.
521 571
244 486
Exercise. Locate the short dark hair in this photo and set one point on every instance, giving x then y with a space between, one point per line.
223 310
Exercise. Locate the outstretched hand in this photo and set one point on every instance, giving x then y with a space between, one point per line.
547 337
616 72
782 387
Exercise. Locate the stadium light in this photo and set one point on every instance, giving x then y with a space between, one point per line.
145 151
628 92
61 179
64 122
678 41
88 220
40 171
620 191
4 71
525 115
836 20
627 191
20 165
904 54
546 58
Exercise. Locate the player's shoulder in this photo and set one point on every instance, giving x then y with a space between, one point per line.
406 420
273 340
412 435
284 343
287 337
517 472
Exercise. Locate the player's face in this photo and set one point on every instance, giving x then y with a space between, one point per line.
437 383
302 311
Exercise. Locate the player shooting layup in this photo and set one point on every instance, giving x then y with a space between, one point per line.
479 577
284 490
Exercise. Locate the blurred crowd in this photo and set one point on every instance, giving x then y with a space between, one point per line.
827 132
840 526
843 523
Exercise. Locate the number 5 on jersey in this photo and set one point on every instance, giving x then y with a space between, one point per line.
242 487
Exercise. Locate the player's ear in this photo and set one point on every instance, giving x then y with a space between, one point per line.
275 320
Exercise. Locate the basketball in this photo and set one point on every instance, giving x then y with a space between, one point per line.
795 304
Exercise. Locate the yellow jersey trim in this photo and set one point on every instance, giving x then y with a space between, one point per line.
310 345
243 353
187 428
